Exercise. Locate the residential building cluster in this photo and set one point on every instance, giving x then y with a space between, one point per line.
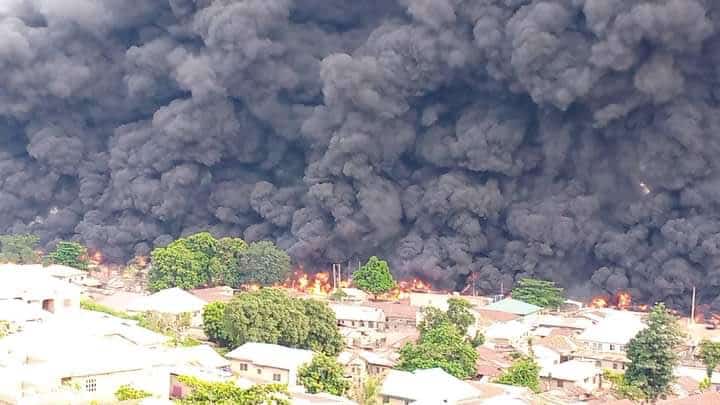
58 353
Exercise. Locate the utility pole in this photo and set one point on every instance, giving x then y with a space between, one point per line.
692 308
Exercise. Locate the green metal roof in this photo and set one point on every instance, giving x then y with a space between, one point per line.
514 306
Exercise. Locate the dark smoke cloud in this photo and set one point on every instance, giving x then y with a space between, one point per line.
569 139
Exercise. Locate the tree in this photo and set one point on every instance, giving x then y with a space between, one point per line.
368 392
524 372
621 388
70 254
374 277
323 335
227 393
538 292
194 261
458 314
652 354
478 340
19 249
262 263
323 374
267 316
442 346
213 318
710 355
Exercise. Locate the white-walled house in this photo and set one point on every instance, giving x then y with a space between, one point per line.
269 362
39 289
359 316
571 375
430 386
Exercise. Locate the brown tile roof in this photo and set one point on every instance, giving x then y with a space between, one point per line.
395 309
491 362
706 398
214 294
495 316
559 343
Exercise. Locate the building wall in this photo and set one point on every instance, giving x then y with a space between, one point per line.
102 387
264 373
400 324
590 385
384 399
602 347
348 323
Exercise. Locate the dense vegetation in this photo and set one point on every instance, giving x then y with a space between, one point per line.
538 292
442 346
271 316
524 372
458 314
227 393
200 260
128 393
70 254
19 249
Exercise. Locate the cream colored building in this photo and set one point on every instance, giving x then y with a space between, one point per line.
39 289
268 362
359 316
431 386
171 301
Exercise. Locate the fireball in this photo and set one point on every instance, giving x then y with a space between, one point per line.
599 302
624 300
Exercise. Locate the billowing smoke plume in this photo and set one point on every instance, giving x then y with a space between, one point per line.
576 140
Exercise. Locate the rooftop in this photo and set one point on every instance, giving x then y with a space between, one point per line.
358 313
491 315
214 294
513 306
573 370
168 301
558 343
18 282
431 386
271 355
617 328
395 309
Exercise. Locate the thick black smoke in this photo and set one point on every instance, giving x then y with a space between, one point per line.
571 139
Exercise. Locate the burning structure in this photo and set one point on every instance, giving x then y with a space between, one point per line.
567 140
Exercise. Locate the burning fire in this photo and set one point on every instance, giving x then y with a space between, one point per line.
141 261
315 284
624 300
95 257
599 302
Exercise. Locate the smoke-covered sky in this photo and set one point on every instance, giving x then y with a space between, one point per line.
576 140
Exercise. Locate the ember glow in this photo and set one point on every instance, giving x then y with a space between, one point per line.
316 284
95 257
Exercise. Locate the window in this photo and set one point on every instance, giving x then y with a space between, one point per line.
560 383
259 371
597 363
276 377
614 366
371 324
612 348
352 323
386 400
622 366
91 385
67 303
243 367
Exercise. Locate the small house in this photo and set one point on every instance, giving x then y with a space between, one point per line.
269 363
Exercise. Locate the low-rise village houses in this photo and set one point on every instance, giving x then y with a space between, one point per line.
359 365
39 289
214 294
576 376
359 316
606 341
262 362
399 316
430 386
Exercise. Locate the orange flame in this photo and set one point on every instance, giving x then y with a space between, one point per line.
315 284
141 261
95 257
599 302
624 300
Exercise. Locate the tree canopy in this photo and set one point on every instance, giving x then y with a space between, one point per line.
19 249
213 322
458 314
652 354
201 260
538 292
323 374
227 393
374 277
710 355
270 316
524 372
441 346
262 263
70 254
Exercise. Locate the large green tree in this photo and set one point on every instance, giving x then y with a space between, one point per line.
262 263
458 314
442 346
374 277
19 249
70 254
524 372
652 354
227 393
195 261
271 316
323 374
710 355
538 292
323 335
368 393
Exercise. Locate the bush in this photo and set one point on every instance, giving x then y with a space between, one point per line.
127 393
